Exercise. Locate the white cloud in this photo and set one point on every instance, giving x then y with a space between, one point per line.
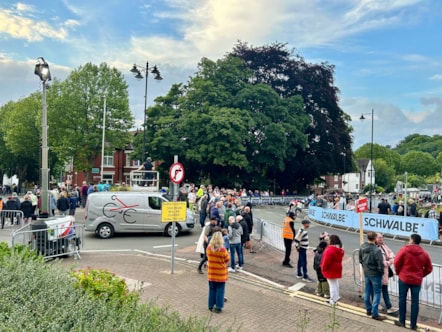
29 29
23 7
437 77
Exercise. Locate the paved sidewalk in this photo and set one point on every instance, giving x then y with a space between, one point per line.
253 303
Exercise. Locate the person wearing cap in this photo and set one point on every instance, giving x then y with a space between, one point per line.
26 208
288 234
147 166
384 207
301 243
207 232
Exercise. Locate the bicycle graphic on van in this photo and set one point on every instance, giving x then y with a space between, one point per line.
111 209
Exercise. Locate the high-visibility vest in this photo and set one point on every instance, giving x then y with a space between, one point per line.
287 232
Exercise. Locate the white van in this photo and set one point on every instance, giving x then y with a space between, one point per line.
107 213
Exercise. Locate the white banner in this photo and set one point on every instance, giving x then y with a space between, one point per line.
428 229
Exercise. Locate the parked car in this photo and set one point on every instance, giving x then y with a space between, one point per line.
107 213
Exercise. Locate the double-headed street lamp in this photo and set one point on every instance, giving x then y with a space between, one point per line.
371 152
42 71
137 71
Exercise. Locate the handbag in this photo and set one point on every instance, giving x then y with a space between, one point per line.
390 272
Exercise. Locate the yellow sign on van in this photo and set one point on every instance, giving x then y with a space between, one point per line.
173 211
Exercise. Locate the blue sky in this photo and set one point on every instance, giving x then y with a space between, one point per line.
387 53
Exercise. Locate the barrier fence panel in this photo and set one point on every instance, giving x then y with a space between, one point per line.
11 216
268 233
52 238
431 290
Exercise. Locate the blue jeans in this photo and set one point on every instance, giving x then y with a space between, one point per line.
216 294
203 215
238 248
386 296
403 290
302 263
373 285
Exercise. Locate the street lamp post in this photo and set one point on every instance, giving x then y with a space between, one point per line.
42 71
343 154
102 140
371 152
136 70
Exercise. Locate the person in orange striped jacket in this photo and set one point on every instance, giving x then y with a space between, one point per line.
217 274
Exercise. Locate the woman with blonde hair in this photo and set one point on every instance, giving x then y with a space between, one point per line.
217 275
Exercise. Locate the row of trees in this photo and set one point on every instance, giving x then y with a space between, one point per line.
257 117
75 121
418 155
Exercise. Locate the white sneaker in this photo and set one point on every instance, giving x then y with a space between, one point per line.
240 268
392 310
231 270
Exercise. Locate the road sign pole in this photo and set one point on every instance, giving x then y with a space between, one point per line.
175 198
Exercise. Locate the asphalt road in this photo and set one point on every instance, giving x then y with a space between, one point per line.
157 243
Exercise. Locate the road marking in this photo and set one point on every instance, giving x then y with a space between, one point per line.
165 246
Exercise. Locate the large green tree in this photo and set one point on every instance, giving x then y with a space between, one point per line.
392 158
419 163
328 133
226 128
76 112
20 132
422 143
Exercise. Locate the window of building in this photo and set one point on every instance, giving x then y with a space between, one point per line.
108 161
108 178
335 178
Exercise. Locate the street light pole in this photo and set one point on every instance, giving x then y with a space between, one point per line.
102 140
136 70
371 153
42 71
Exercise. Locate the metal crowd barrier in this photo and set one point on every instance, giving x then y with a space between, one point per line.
11 216
268 233
52 238
268 200
430 294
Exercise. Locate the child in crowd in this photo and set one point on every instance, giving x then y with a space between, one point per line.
322 288
226 238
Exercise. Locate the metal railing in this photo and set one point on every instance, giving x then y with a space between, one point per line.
430 294
268 233
12 216
268 200
144 181
52 238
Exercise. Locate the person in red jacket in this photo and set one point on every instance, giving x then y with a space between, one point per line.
331 266
412 263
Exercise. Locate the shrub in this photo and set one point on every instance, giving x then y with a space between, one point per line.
104 285
37 296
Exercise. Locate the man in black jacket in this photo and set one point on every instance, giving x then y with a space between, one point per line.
370 256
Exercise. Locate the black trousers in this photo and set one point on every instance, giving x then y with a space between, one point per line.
288 250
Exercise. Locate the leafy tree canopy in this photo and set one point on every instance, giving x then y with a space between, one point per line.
225 128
